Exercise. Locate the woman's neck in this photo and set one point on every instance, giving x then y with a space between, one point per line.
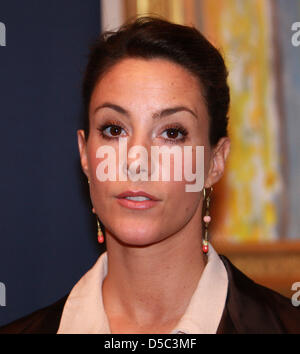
153 284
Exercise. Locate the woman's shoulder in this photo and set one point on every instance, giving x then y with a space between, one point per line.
254 308
44 320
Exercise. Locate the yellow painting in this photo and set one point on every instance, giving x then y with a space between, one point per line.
253 181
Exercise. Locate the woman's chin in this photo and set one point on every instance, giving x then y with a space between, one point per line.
139 237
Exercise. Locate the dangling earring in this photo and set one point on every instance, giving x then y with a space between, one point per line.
100 233
206 219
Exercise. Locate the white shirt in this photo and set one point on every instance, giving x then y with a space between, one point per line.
84 310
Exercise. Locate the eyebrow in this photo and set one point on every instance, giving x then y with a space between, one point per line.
157 115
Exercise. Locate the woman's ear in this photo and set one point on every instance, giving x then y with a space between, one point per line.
217 163
82 151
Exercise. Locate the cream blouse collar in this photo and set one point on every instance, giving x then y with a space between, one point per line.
84 311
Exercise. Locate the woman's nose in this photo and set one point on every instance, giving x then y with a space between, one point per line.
138 164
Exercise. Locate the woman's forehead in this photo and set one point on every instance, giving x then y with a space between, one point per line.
159 80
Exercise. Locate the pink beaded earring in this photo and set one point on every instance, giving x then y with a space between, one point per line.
99 233
206 219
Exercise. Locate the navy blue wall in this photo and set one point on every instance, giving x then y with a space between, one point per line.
48 233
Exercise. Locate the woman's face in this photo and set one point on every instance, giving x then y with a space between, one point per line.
127 102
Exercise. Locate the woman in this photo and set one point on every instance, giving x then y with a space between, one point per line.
153 84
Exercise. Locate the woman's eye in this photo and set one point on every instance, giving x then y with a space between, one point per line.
112 131
173 134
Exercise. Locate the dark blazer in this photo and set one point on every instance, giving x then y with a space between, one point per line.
250 308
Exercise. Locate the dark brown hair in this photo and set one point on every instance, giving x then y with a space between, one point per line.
151 37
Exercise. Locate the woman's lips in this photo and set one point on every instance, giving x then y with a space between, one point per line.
137 200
